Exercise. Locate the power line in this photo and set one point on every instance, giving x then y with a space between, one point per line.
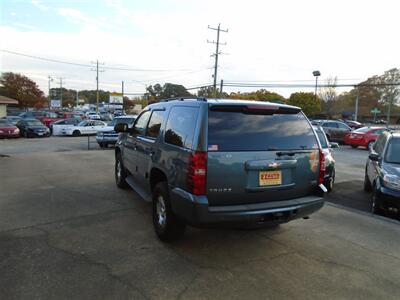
259 85
217 52
88 65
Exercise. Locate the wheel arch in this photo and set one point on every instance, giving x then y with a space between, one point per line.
156 176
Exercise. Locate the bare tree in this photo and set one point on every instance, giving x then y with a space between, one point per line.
329 95
389 93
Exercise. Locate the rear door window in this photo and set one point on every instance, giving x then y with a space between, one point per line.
238 131
181 126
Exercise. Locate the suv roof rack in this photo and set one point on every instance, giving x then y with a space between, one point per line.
185 98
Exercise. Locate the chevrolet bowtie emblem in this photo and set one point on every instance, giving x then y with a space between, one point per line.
273 165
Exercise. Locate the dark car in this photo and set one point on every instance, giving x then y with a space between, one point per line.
353 124
32 128
8 130
326 146
335 130
382 173
208 162
13 119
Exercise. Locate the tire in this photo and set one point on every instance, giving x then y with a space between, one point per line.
120 173
76 133
26 134
166 225
375 203
354 146
367 183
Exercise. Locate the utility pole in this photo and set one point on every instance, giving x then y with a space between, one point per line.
97 83
50 80
221 86
61 91
356 110
217 52
77 98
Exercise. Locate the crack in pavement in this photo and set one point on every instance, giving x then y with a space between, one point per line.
89 261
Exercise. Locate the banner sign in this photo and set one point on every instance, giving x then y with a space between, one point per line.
116 98
55 103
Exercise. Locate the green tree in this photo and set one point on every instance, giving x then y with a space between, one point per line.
23 89
260 95
168 90
306 101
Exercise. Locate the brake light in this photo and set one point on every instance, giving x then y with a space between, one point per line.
321 166
197 172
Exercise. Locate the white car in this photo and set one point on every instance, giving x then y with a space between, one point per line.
86 127
58 126
93 116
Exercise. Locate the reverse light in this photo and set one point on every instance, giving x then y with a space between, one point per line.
197 173
321 167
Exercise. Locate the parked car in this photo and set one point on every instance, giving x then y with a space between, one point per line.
48 118
56 128
353 124
335 130
7 129
330 172
13 119
92 116
31 114
364 137
198 167
107 135
382 173
86 127
32 128
106 116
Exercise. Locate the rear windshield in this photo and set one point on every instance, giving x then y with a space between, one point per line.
238 131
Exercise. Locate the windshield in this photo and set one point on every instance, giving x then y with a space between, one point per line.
4 122
393 151
236 131
33 123
362 130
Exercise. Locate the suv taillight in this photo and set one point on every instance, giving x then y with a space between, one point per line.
197 173
321 167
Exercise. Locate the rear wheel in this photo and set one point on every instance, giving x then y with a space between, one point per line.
330 182
375 202
120 173
166 225
76 133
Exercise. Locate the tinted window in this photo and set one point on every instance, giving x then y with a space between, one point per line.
322 140
330 125
153 129
236 131
141 122
343 126
378 131
4 122
380 144
180 126
362 130
393 151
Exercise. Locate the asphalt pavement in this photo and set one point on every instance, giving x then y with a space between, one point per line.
67 232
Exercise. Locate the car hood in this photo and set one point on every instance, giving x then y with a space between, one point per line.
393 169
36 127
106 129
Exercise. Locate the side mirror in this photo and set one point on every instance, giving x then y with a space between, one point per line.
121 127
334 145
373 156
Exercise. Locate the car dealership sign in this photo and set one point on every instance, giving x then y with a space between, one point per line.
116 98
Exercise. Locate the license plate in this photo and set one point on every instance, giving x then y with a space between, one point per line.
40 133
270 178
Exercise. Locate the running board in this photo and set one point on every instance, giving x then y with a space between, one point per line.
142 193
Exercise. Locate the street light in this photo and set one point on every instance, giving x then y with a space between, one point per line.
316 74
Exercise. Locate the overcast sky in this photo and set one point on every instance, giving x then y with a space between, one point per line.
267 40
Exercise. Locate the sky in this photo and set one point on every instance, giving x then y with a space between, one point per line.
166 41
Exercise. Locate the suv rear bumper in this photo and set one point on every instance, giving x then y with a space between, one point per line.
196 211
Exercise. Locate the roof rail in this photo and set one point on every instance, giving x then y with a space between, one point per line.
185 98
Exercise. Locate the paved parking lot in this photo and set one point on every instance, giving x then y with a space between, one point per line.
67 232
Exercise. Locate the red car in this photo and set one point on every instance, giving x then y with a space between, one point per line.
7 129
364 137
49 118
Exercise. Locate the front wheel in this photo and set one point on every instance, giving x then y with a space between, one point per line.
76 133
375 203
120 173
166 225
330 182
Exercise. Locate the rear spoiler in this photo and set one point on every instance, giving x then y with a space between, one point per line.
267 109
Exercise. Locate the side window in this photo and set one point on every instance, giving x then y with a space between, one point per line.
342 126
141 122
378 131
153 129
330 125
380 144
181 125
97 123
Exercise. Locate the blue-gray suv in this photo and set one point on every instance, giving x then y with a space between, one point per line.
208 162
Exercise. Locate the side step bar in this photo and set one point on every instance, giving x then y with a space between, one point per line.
142 193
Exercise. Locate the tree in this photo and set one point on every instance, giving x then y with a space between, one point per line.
328 95
260 95
23 89
306 101
389 93
168 90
